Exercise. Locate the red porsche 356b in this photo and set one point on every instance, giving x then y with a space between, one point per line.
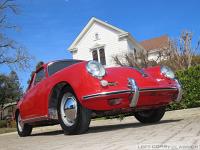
72 92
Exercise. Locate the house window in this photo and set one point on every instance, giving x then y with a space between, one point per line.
95 55
96 36
102 56
98 54
135 51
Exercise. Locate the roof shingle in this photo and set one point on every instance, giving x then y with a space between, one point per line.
157 43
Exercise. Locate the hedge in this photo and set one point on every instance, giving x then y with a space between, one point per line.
3 124
190 81
7 124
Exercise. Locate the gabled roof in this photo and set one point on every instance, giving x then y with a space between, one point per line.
87 27
157 43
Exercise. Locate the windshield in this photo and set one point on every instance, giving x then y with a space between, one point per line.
59 65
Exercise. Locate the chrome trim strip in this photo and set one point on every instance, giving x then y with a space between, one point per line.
128 91
180 91
157 89
135 89
105 94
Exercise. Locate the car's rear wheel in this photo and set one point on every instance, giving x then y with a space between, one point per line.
73 117
22 129
150 116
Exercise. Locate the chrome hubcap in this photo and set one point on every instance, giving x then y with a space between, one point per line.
20 123
68 109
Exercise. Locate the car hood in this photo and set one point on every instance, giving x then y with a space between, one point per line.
143 78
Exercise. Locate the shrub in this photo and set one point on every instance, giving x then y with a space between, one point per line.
13 124
196 60
190 80
3 123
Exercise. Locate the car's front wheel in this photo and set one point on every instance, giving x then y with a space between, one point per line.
73 117
22 129
150 116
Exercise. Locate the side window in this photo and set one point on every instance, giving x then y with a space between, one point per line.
39 76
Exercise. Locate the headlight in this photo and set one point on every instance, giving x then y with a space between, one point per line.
96 69
166 71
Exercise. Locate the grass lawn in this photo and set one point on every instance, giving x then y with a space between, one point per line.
6 130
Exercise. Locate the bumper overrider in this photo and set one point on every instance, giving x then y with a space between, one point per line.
180 91
135 92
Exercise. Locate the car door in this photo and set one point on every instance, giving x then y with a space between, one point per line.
25 107
33 105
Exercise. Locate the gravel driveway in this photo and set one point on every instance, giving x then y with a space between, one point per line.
177 130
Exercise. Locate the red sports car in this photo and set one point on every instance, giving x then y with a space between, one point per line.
72 92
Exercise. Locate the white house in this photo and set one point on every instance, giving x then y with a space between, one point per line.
100 41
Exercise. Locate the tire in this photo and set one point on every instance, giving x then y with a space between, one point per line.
150 116
22 129
73 117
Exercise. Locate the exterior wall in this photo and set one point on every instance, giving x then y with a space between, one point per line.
155 55
107 38
131 47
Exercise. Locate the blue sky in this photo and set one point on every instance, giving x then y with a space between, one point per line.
48 27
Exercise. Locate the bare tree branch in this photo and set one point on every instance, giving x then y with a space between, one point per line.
177 55
12 53
9 4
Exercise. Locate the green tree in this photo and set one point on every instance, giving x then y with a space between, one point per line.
17 91
10 89
3 89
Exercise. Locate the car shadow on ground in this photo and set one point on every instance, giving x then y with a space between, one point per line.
105 128
96 129
49 133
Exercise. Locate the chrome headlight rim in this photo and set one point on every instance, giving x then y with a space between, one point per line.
96 73
167 72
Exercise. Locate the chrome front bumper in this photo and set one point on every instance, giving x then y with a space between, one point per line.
135 92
